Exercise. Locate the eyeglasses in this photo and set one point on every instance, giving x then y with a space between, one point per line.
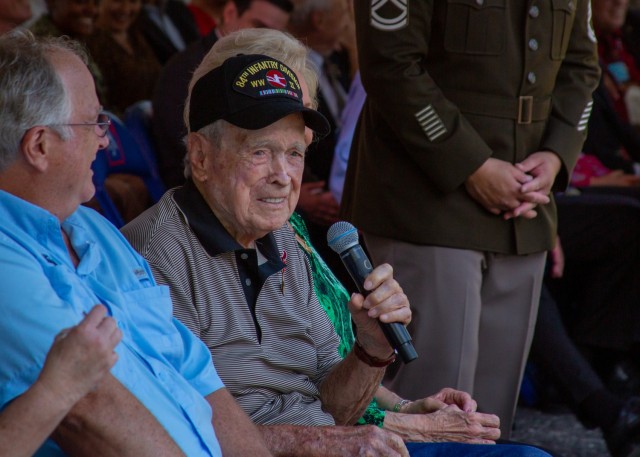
102 125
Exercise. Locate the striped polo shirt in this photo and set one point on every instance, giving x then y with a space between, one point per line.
271 342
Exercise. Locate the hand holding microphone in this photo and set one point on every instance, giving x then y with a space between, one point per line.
343 239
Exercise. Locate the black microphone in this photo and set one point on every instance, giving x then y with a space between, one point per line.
343 239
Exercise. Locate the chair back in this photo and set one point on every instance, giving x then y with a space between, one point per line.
124 155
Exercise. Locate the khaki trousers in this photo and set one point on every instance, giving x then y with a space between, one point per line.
473 319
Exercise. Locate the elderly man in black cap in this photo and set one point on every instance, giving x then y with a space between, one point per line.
223 245
239 281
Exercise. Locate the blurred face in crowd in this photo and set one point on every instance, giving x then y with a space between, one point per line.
14 12
260 14
609 15
334 22
118 15
74 17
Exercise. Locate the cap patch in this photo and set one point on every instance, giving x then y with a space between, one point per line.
266 78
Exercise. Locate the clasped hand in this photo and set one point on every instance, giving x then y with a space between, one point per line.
449 415
514 190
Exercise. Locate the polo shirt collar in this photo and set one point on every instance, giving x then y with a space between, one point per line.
211 233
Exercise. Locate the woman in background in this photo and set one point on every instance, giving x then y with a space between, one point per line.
126 60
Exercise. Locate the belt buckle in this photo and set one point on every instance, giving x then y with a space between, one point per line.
525 109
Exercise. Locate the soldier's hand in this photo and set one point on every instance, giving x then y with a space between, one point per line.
497 185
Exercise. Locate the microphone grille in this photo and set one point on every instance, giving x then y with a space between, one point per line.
341 236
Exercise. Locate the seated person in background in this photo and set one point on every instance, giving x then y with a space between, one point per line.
13 13
611 139
163 396
77 362
612 132
246 156
168 27
558 358
589 171
76 19
616 55
207 14
126 60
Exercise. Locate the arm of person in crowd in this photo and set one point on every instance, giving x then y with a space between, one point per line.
332 441
237 435
449 415
615 178
318 204
78 360
556 256
351 384
111 422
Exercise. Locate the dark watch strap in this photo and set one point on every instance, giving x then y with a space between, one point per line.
365 357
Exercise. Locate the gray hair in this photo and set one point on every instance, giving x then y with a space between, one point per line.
269 42
31 91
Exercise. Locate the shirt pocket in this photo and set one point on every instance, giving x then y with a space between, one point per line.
564 12
475 27
150 310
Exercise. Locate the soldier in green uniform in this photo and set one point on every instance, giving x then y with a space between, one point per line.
476 111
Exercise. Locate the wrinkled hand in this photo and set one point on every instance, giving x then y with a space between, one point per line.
543 167
616 178
497 186
387 302
367 440
442 399
447 424
81 356
319 205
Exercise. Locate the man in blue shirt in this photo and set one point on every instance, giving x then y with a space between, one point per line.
60 259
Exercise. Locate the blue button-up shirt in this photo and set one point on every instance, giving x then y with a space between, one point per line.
164 365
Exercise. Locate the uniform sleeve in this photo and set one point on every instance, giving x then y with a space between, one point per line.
431 128
577 78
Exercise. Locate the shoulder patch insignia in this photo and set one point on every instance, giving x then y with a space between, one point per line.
389 15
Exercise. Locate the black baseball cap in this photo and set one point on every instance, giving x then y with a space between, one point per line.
251 92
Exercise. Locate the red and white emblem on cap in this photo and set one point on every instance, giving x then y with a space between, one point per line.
276 79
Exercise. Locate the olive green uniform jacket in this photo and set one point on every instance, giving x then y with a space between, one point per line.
451 83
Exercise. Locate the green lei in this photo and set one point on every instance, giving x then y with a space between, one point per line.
333 298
